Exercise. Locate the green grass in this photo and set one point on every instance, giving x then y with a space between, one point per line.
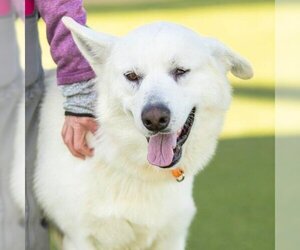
235 198
133 6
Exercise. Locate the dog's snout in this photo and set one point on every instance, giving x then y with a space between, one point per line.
156 117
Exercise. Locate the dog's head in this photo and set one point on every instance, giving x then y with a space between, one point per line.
163 91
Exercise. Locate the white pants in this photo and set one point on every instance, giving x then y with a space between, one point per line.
15 234
12 233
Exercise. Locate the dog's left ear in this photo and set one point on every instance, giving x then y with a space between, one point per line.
233 62
93 45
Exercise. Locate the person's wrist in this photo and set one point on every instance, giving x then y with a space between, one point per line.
80 99
68 113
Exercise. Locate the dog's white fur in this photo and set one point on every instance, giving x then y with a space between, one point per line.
116 200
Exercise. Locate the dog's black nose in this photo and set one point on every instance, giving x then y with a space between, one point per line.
156 117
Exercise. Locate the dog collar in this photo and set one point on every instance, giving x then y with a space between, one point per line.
178 173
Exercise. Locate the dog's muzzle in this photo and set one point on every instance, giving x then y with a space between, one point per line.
165 149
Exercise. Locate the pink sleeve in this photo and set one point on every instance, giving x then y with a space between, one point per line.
71 66
4 7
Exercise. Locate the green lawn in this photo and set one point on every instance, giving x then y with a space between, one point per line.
235 198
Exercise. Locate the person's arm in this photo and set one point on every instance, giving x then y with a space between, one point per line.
71 65
74 74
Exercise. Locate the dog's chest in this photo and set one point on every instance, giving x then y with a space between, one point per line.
120 234
131 215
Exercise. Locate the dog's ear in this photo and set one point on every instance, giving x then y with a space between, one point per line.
233 62
94 46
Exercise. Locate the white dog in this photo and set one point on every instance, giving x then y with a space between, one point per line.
162 96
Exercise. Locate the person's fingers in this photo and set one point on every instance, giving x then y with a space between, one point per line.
80 145
69 141
91 124
74 135
67 137
64 130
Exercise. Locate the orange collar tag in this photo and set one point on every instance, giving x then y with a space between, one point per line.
178 174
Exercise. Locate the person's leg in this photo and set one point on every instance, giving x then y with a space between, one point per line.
36 235
12 233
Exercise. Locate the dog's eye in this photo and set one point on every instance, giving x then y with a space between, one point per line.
131 76
178 72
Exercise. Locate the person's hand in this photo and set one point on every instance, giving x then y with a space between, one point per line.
74 134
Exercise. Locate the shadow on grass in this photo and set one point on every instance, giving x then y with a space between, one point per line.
235 197
254 92
267 92
166 4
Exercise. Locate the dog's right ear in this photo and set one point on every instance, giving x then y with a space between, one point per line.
94 46
232 61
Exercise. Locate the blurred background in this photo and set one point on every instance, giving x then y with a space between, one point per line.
235 194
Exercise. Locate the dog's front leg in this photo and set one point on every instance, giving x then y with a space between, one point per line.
174 243
76 243
173 235
68 244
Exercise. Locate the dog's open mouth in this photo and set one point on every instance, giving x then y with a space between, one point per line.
165 150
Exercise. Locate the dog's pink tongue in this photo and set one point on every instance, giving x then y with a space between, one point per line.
160 149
